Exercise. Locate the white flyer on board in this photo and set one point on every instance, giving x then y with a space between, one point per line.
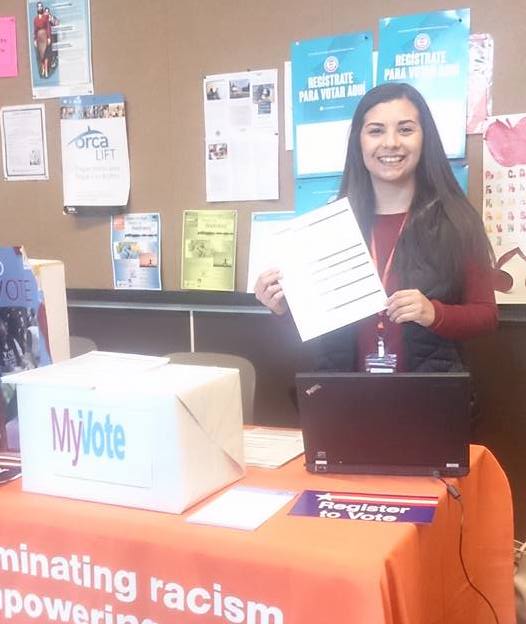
263 226
241 136
24 146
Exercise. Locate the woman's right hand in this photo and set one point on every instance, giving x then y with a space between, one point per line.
268 290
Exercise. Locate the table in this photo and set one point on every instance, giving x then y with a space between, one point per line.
112 565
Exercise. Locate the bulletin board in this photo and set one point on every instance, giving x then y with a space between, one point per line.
156 54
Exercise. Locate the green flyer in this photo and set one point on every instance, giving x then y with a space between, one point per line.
209 250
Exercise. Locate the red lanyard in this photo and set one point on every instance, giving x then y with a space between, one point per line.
386 272
387 268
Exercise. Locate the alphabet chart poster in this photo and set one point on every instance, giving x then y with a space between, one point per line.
504 196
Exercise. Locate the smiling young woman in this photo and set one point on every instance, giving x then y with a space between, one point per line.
427 240
391 144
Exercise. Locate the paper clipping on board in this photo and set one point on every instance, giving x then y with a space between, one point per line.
95 161
241 135
209 250
329 278
24 147
136 251
59 36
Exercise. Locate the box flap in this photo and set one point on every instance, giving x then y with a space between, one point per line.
211 394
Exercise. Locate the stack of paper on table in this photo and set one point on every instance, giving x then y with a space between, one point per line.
271 448
242 507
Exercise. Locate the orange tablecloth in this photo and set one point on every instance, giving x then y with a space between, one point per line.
291 570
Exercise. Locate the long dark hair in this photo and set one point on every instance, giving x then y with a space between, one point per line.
443 231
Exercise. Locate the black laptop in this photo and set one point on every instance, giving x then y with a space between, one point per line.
401 423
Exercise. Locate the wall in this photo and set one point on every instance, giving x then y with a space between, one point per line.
156 54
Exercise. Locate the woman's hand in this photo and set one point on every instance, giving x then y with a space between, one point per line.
268 290
410 305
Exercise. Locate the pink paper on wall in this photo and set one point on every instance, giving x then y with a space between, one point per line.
480 82
8 60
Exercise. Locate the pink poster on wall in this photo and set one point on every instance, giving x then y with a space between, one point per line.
480 82
504 180
8 60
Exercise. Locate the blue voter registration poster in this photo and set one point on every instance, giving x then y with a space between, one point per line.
329 76
430 51
311 193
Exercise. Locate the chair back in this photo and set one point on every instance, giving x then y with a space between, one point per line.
247 373
78 345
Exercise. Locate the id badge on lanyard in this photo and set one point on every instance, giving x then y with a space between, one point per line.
382 361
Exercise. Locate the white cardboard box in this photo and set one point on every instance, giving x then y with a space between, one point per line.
130 430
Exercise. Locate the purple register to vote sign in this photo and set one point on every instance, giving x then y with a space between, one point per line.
365 507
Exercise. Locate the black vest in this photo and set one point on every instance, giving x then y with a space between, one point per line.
425 351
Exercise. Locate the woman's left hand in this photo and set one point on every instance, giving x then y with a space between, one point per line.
410 305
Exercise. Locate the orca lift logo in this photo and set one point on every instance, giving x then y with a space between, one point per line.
94 140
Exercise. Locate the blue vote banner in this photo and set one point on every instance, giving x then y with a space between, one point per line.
311 193
430 51
24 340
329 76
23 324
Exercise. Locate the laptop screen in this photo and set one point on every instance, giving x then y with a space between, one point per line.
406 423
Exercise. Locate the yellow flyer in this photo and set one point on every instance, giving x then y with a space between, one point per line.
209 250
